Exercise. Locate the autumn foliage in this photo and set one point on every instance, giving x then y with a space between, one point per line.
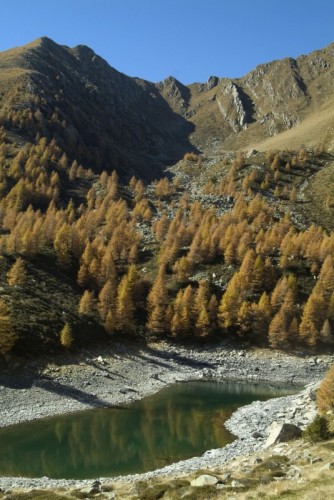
325 393
155 260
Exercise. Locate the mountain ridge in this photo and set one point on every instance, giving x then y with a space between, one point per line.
108 120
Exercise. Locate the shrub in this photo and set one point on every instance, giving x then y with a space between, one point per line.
191 157
317 430
66 336
325 393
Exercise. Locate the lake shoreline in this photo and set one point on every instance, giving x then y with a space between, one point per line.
120 374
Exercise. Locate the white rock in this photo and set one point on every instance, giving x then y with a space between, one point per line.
204 480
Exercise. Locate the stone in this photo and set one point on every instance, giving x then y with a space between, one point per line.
316 460
282 432
257 435
204 480
237 484
251 152
328 466
279 450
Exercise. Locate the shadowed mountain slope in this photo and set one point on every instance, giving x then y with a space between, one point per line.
97 115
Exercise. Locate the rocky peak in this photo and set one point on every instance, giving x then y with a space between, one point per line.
212 82
176 93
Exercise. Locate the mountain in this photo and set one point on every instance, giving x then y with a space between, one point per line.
98 115
107 120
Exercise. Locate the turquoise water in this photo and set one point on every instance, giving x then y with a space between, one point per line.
179 422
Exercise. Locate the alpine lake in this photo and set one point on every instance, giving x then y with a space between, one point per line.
181 421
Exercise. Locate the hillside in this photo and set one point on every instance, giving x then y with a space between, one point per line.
229 244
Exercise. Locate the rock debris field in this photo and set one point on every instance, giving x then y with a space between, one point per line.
120 374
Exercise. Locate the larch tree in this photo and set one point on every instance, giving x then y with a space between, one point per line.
17 274
325 284
8 336
293 331
176 323
213 312
230 304
188 310
125 306
157 302
107 299
62 245
202 295
107 268
314 311
182 268
245 318
280 291
203 325
201 309
278 331
325 393
66 336
183 318
87 304
326 333
258 273
110 322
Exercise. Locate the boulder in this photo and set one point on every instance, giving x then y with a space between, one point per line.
204 480
281 433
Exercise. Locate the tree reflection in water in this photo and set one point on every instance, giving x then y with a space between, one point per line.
179 422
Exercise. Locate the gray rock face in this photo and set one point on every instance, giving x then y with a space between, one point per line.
232 103
281 433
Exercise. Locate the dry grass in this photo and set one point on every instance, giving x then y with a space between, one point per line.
265 480
318 128
317 191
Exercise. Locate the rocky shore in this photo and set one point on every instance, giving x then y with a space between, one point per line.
121 374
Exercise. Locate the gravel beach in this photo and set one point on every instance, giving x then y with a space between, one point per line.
119 374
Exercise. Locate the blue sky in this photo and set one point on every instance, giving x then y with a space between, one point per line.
189 39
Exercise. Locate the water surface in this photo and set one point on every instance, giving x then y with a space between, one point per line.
179 422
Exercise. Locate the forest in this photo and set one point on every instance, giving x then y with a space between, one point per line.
229 250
